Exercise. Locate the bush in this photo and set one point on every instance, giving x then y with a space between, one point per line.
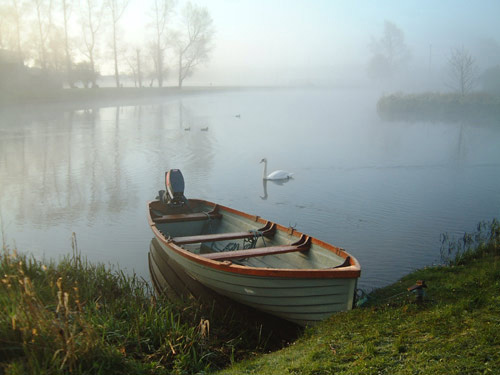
436 107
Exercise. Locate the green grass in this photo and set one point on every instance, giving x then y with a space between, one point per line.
75 317
456 330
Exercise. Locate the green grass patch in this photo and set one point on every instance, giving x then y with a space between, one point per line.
76 317
455 330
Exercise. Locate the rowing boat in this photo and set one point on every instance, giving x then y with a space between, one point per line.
253 261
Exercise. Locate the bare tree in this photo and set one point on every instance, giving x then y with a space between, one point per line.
161 11
462 70
43 10
116 8
133 69
151 69
6 12
194 43
66 10
15 15
55 54
138 64
4 25
389 52
91 17
134 63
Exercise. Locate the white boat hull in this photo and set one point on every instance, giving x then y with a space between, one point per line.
300 295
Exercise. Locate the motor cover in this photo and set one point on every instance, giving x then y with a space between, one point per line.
174 183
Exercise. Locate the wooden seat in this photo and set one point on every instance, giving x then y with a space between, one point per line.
268 231
185 217
211 237
302 245
172 218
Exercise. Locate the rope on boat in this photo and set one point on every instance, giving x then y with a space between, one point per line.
362 297
209 221
256 235
231 246
248 243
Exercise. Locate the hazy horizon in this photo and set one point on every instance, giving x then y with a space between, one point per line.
320 42
294 42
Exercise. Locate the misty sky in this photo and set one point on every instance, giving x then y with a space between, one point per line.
278 39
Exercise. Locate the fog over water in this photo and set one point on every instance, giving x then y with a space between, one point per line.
383 191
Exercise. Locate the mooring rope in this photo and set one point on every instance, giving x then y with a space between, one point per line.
256 235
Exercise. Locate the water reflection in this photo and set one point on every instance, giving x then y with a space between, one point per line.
384 191
273 182
39 158
264 188
85 170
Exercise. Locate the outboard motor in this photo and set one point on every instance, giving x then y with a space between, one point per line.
174 183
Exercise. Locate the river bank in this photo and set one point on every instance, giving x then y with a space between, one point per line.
454 330
73 316
82 98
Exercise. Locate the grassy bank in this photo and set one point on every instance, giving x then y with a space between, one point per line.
75 317
434 107
456 330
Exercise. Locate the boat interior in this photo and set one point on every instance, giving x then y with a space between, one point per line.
222 235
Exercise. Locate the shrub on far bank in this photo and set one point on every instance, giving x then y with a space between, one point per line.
438 107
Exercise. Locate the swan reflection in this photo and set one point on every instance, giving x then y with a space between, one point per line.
275 182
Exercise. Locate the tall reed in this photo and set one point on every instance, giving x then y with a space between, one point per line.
484 241
76 317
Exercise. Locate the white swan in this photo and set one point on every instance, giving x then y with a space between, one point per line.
276 175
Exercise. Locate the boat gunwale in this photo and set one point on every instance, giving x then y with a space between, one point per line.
348 272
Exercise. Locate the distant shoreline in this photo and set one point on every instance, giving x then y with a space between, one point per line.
82 98
108 95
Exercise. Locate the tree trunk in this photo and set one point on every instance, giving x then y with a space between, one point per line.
180 70
69 77
139 74
42 53
115 53
92 69
159 66
18 33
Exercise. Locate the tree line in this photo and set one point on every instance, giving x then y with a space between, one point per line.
390 54
65 37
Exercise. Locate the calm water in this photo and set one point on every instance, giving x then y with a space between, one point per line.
383 191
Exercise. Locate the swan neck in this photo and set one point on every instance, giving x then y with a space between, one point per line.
264 174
